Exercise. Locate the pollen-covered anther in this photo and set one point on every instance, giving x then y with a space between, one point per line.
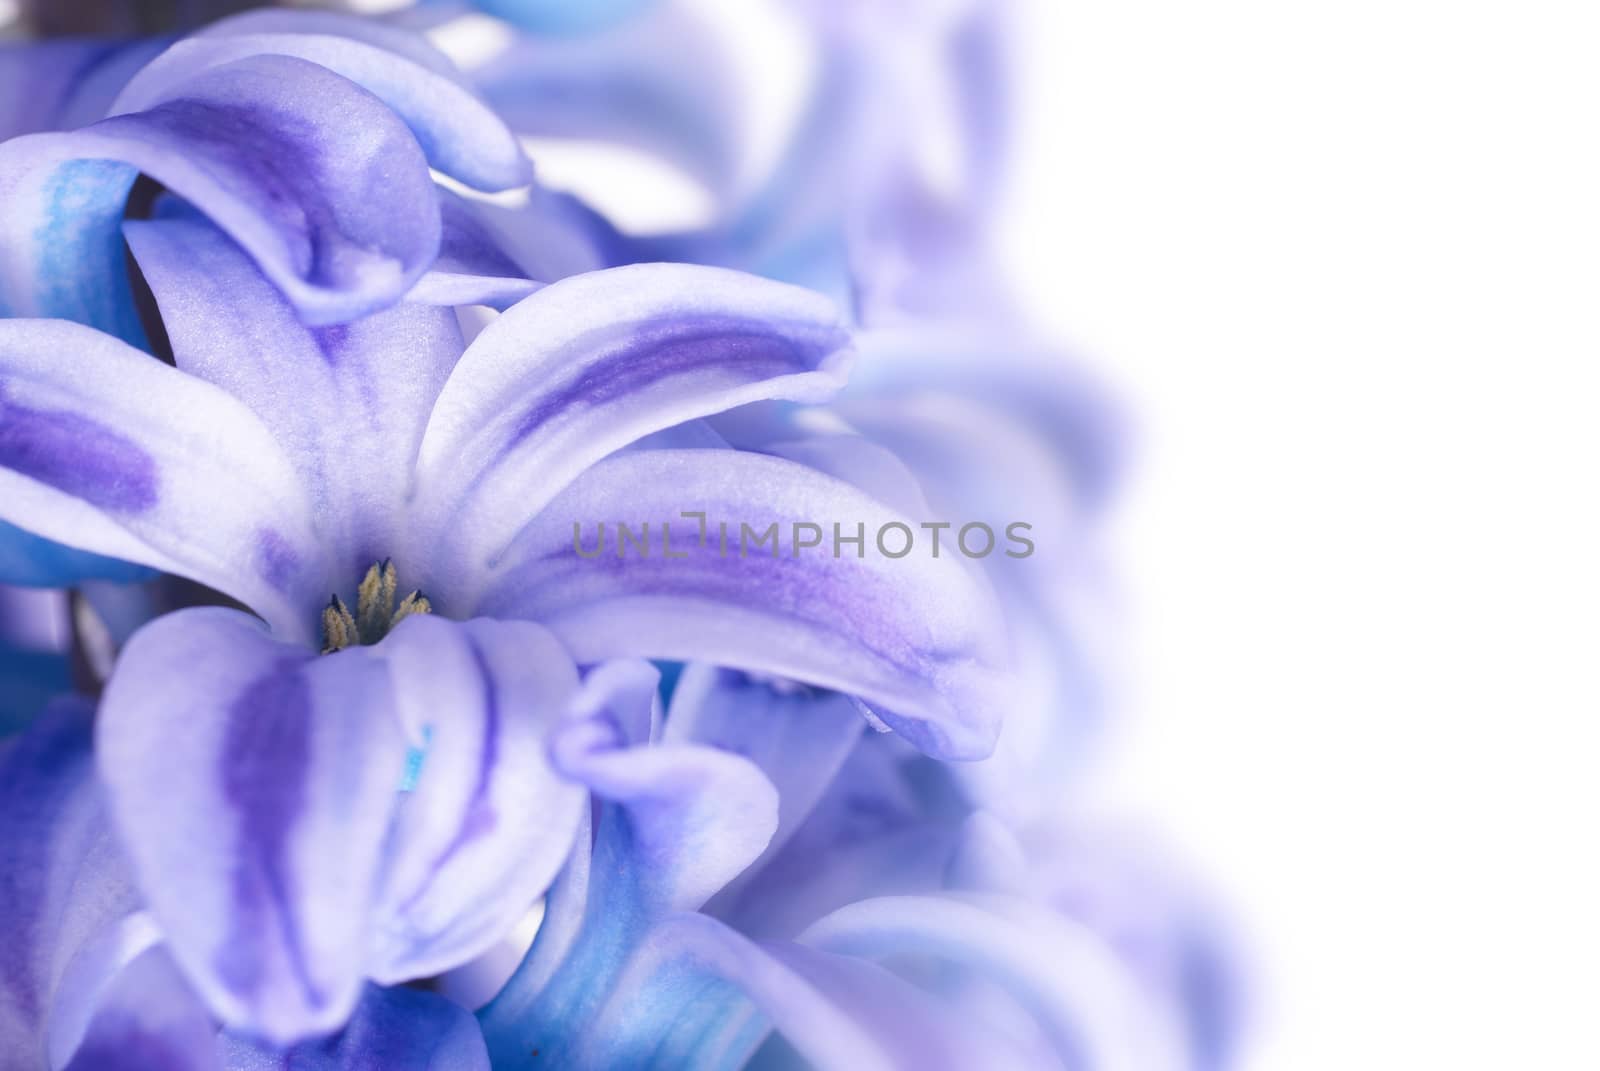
376 612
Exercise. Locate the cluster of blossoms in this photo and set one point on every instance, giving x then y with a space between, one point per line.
326 746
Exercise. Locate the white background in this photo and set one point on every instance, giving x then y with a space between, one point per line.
1344 258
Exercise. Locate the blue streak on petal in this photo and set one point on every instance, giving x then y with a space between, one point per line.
81 274
415 757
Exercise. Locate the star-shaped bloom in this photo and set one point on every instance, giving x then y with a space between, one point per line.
269 794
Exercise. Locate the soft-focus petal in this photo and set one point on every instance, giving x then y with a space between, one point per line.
889 823
253 783
103 448
63 84
487 824
655 83
148 1018
63 880
564 16
591 363
347 403
798 737
458 133
391 1030
316 178
916 636
1061 974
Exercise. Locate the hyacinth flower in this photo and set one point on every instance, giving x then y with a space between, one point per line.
307 137
89 984
641 961
278 463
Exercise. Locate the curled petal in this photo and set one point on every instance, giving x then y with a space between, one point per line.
105 449
458 133
593 362
679 821
917 637
284 766
685 819
799 738
304 169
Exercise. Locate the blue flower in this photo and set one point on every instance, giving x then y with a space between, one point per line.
86 981
307 137
278 463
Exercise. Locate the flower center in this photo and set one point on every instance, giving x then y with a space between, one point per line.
376 612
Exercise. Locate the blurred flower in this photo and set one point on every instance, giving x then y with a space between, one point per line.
759 864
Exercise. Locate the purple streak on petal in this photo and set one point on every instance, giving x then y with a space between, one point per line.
223 477
585 367
264 757
457 132
664 349
76 455
254 784
916 636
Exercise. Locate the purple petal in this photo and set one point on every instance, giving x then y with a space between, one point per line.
680 821
685 819
798 737
63 84
1071 984
104 449
889 823
63 881
472 268
347 403
593 362
391 1030
310 173
149 1019
254 783
458 133
487 825
915 636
